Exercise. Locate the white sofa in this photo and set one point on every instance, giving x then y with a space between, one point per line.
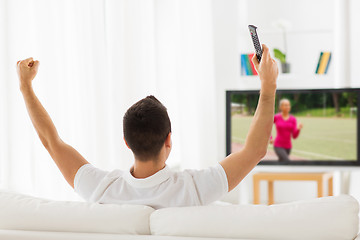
25 217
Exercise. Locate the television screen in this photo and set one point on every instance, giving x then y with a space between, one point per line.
311 127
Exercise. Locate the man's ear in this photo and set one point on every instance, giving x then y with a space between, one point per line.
126 143
168 142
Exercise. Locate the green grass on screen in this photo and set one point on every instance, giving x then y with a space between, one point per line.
322 138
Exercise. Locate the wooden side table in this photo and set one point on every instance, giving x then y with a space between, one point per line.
320 178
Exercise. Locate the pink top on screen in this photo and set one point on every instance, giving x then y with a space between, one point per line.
284 130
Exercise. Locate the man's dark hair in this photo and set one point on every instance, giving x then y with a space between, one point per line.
146 125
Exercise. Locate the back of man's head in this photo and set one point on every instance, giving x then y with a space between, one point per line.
146 125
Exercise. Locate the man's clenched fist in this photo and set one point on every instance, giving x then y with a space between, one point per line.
27 70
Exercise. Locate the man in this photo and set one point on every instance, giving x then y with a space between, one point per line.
147 132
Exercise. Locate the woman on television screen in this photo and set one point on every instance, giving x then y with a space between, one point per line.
286 128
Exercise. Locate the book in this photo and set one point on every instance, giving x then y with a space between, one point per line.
244 70
324 62
317 67
243 65
254 72
247 66
327 66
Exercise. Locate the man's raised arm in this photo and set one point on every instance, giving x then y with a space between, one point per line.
238 165
66 158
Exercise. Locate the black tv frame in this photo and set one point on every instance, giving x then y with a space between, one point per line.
296 163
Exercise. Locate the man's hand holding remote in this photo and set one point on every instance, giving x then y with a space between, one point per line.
238 165
267 70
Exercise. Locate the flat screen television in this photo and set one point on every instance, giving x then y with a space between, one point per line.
329 133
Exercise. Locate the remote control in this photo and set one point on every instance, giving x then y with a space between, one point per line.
256 42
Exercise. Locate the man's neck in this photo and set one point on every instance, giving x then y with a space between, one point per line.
143 169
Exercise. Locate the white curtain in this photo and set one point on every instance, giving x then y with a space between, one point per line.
97 57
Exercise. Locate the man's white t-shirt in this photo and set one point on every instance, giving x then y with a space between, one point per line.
165 188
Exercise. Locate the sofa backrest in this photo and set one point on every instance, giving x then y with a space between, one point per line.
322 218
21 212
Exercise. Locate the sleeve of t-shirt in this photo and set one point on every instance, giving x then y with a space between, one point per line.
89 182
211 183
296 131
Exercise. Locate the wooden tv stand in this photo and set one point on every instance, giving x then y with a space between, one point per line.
270 177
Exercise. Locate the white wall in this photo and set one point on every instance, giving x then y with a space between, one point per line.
354 74
98 58
307 34
231 38
354 42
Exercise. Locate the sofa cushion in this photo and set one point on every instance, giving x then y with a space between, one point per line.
21 212
322 218
34 235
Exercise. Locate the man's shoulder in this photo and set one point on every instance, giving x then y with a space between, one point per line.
116 173
181 174
185 175
194 172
